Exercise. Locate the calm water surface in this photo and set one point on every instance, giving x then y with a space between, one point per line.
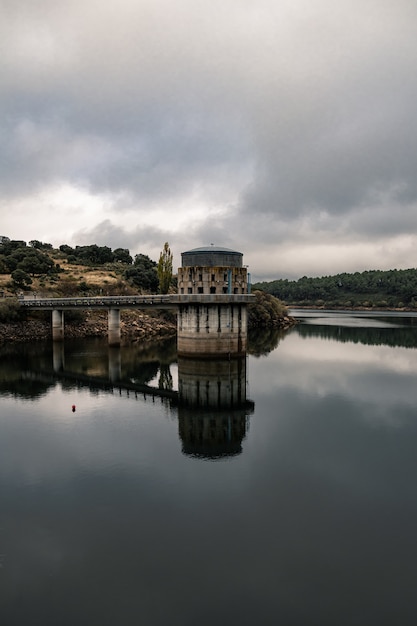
275 490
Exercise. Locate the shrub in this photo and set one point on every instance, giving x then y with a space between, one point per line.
266 311
10 311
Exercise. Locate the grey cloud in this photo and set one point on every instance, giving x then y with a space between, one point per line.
296 121
131 236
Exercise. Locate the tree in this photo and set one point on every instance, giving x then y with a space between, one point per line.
143 273
165 269
21 278
39 245
35 262
94 254
122 255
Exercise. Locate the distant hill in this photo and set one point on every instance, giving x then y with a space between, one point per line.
374 288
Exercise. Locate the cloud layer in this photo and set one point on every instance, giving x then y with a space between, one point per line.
284 130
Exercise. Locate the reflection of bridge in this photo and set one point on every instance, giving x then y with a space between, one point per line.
95 382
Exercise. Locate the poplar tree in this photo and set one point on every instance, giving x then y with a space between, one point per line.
165 269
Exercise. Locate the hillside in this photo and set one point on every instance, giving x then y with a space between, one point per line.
376 288
39 269
54 272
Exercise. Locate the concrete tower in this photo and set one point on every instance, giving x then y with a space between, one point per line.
213 294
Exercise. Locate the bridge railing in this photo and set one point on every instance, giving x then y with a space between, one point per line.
171 300
97 301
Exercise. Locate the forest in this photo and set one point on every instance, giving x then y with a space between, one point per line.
372 288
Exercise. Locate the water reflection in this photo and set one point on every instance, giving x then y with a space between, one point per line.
213 409
210 400
108 517
365 327
262 341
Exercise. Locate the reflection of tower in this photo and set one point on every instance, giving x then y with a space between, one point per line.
212 406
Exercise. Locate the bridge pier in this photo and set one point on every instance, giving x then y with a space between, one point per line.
114 327
57 325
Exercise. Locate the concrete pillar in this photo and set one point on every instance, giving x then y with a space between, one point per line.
114 327
57 325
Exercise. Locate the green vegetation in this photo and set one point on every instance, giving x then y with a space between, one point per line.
143 273
67 271
164 269
267 311
10 311
375 288
16 256
89 255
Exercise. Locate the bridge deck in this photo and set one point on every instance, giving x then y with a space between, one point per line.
171 301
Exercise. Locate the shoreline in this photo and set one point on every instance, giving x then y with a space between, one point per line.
352 308
133 328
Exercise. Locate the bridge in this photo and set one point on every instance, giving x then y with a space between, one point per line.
170 301
207 323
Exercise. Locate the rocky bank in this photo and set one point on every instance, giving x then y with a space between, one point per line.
135 326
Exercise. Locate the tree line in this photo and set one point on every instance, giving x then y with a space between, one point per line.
372 288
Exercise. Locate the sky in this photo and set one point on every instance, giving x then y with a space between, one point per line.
284 129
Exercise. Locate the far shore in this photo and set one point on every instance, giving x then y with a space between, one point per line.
352 308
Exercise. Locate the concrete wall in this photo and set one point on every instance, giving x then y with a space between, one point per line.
206 279
213 329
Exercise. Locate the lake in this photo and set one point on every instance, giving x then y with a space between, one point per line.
139 488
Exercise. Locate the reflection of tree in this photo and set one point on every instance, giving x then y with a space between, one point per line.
23 388
264 340
403 337
165 377
143 372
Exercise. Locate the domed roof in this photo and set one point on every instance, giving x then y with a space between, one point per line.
211 256
205 249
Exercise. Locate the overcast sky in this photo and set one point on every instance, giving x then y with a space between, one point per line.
284 129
